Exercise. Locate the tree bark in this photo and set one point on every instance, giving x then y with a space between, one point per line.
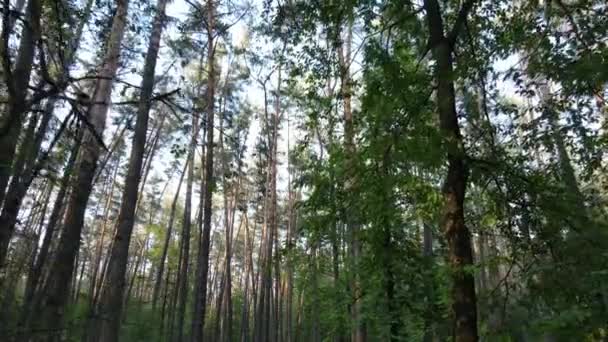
111 300
263 315
198 320
460 252
182 286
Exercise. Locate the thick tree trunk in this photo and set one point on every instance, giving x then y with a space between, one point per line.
198 320
52 310
460 252
111 300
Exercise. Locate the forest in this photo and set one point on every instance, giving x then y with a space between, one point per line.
304 170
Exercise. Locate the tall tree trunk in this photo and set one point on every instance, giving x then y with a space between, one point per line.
200 298
134 275
358 333
99 271
52 310
39 225
273 205
163 310
264 275
169 233
78 280
460 252
427 254
248 261
182 286
315 334
10 124
229 216
94 281
290 245
111 300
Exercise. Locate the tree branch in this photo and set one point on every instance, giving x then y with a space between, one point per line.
460 21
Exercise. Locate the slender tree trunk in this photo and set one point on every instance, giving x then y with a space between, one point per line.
274 220
460 253
291 224
427 254
99 273
248 261
299 315
200 298
38 231
182 285
163 309
163 257
229 216
134 275
78 285
358 333
111 300
219 305
115 142
95 283
315 334
263 314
